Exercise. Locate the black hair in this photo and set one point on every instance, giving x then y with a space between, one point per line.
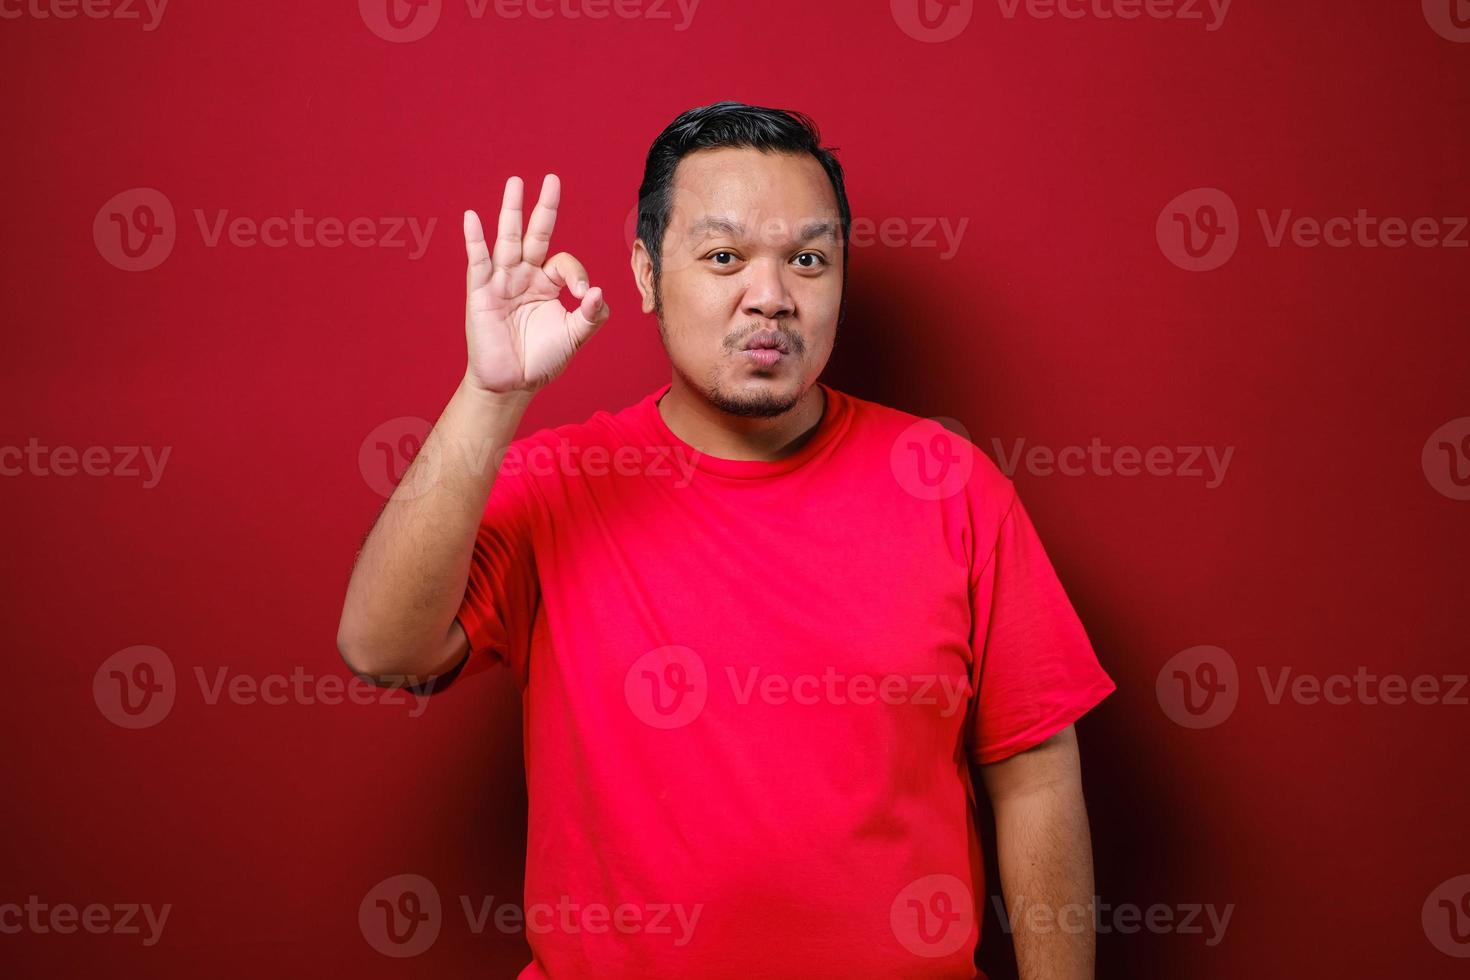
729 124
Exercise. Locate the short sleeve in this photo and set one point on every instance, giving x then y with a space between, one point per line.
1036 671
503 588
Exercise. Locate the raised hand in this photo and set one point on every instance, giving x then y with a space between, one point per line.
518 333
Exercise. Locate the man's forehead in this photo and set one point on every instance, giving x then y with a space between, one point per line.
735 190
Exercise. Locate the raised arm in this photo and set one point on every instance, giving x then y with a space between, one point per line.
398 624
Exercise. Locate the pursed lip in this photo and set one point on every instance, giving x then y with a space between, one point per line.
767 340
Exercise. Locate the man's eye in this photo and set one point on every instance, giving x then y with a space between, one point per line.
817 260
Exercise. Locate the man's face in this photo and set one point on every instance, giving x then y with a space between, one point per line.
752 255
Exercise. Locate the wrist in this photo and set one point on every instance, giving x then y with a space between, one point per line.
479 426
516 399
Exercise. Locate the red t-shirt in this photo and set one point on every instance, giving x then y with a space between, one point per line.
750 690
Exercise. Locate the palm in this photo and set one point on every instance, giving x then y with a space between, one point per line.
519 337
518 333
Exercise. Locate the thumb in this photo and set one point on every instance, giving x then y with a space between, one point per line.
586 318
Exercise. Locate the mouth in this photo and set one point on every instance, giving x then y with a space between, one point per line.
765 348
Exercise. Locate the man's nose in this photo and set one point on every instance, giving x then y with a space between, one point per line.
767 295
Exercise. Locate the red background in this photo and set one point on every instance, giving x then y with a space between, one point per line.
1325 548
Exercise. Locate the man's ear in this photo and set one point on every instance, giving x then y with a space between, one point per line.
643 274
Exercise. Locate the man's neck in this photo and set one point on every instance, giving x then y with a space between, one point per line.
693 419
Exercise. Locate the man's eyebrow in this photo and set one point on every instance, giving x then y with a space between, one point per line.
818 229
717 225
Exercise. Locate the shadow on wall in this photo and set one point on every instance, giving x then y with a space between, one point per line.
906 347
897 346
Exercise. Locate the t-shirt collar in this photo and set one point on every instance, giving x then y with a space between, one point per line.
834 421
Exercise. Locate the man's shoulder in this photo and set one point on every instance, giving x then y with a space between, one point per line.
601 427
550 454
923 446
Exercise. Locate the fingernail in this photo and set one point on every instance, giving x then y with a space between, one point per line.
579 288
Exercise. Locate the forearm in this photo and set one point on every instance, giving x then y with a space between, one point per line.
410 577
1045 855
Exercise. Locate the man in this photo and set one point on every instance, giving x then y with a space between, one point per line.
762 628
